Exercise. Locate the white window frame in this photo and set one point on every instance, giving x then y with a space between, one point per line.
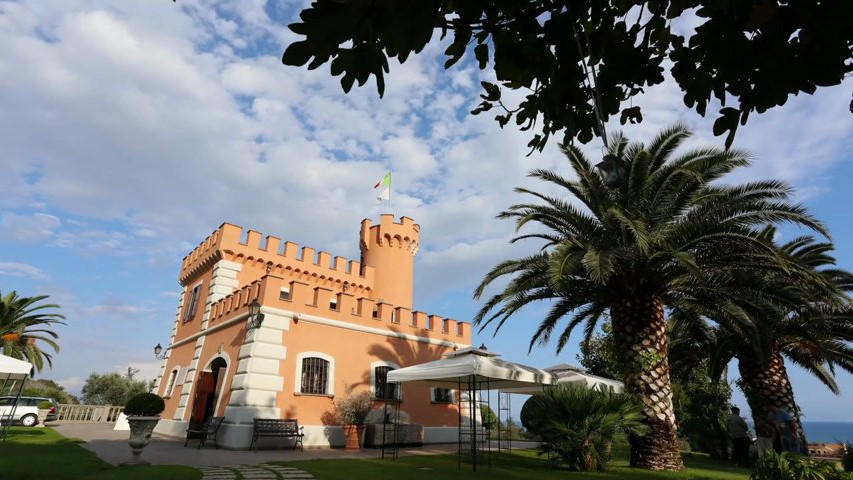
382 363
173 382
297 377
192 302
452 395
286 290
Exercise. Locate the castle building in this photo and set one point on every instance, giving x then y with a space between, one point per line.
330 326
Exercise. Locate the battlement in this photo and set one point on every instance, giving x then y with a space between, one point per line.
402 234
324 303
226 243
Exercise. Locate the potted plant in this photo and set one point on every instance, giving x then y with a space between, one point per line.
352 412
143 413
44 410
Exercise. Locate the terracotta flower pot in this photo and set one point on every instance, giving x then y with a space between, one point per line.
140 434
354 436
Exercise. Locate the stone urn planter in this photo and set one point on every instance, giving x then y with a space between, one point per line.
143 413
140 434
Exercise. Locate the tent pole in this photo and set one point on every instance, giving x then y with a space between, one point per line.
8 424
472 392
459 433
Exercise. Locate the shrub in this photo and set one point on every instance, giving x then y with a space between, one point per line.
578 425
793 466
353 409
45 405
144 405
847 458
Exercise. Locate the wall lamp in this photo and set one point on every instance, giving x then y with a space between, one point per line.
256 318
159 354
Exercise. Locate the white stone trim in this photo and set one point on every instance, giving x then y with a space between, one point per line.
189 382
441 434
257 380
222 284
172 382
175 324
383 363
330 380
223 388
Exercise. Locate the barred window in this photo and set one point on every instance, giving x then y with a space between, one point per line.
384 390
441 395
284 294
315 376
192 303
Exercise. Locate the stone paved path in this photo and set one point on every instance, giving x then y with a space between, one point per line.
264 471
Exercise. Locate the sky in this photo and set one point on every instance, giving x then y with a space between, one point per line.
131 130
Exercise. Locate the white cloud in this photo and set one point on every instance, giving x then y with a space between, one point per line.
73 385
31 228
14 269
145 370
144 125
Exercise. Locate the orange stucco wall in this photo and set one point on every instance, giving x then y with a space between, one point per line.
375 297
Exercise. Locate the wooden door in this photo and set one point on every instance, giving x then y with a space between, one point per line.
204 389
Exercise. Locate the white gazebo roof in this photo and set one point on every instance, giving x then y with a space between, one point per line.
14 369
473 364
566 374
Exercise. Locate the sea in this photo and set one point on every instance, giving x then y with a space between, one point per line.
829 432
824 432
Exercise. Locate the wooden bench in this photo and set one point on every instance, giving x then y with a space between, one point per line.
276 427
208 429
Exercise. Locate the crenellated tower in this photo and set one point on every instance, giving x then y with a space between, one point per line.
390 248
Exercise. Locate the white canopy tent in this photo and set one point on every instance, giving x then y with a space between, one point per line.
473 370
472 364
566 374
13 370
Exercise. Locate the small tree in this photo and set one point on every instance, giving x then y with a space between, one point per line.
48 388
490 420
579 425
112 388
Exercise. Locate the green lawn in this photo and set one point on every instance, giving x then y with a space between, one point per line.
41 453
520 465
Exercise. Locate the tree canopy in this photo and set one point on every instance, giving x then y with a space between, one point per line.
112 388
750 55
25 325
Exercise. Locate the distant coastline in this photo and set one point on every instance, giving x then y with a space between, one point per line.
829 432
818 431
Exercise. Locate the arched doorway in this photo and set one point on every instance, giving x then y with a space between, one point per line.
207 391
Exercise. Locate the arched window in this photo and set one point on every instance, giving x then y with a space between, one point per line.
315 374
173 377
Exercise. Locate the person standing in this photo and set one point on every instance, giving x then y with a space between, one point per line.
739 431
786 427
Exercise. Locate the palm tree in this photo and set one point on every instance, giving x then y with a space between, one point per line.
23 323
808 322
650 229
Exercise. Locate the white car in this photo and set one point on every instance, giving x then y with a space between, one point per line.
27 411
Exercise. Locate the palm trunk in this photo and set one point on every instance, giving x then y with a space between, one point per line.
640 330
766 387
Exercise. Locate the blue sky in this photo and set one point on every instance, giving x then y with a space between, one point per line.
132 129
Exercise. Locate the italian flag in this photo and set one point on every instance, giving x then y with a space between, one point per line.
383 187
